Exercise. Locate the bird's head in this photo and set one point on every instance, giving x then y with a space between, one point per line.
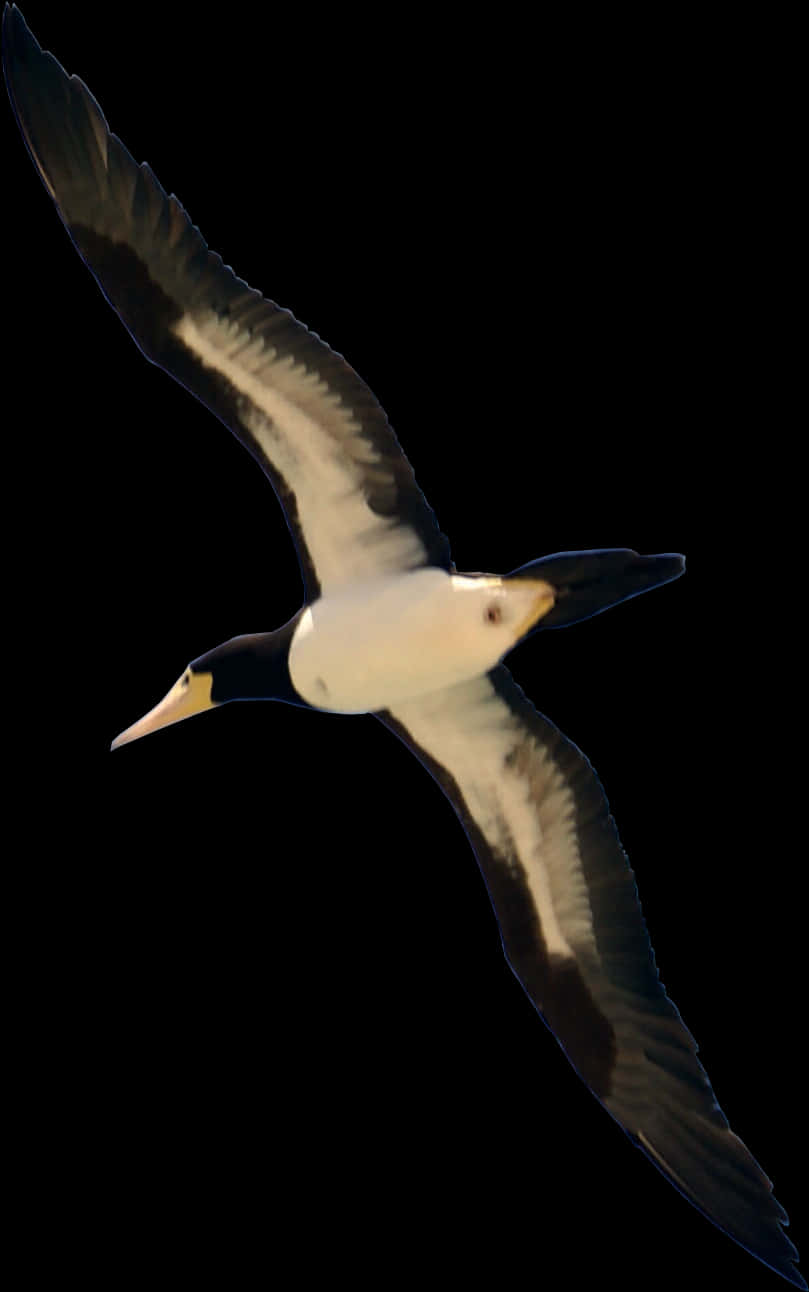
252 667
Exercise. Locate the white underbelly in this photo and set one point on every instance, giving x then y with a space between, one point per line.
386 640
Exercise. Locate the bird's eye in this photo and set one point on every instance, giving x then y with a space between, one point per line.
493 613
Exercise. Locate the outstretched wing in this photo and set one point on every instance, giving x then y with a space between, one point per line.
574 935
349 494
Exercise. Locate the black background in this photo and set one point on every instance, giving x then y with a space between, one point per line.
255 948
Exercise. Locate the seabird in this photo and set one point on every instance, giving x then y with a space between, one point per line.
389 627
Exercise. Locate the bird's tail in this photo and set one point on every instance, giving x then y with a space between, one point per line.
586 583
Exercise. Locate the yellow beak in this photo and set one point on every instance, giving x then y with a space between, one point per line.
542 601
190 695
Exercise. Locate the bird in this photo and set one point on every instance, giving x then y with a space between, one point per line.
390 627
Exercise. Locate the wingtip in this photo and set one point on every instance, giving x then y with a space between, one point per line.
694 1155
19 45
15 29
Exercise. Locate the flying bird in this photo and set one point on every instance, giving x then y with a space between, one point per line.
390 627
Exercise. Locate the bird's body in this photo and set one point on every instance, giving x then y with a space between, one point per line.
379 642
388 626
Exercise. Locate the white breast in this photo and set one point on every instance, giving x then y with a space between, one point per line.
393 638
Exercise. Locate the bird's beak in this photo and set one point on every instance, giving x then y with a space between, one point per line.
190 695
542 600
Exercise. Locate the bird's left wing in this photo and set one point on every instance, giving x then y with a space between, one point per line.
574 935
319 433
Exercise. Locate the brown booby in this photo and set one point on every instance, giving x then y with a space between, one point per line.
390 627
